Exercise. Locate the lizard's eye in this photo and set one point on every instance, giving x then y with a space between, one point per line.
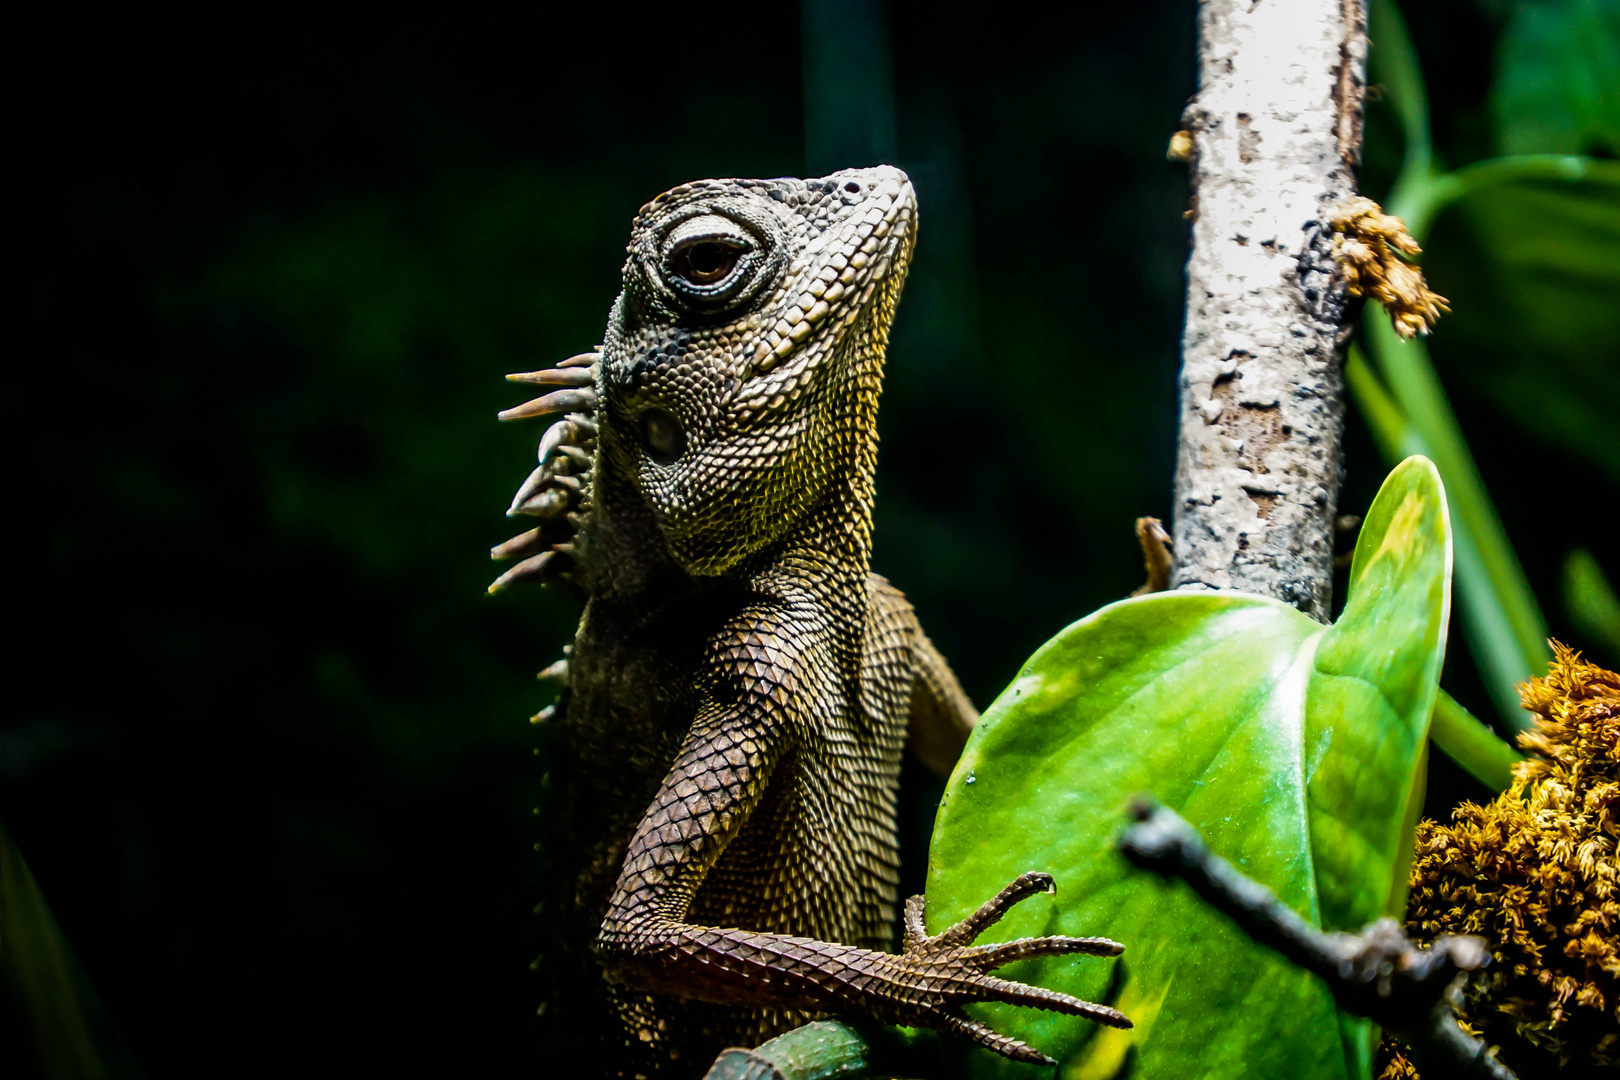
707 261
662 436
711 262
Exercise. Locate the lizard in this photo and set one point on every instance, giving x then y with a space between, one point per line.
726 745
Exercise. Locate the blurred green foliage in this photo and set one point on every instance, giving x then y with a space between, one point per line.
1533 247
1559 67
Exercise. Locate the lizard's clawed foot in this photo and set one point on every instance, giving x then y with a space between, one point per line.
949 971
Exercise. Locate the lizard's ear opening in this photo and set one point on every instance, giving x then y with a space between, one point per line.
662 436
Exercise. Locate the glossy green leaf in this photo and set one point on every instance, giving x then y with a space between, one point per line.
1293 746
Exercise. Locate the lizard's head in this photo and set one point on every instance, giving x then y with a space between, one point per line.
740 375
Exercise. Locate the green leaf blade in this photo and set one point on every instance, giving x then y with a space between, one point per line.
1295 748
1379 669
1116 704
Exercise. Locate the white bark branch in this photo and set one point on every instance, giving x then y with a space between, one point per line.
1276 125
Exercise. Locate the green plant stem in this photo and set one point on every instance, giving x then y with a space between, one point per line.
1470 743
1396 67
1421 202
1390 430
1591 603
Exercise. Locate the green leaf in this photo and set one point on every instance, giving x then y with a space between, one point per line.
1532 269
56 1007
1557 88
1293 746
1590 601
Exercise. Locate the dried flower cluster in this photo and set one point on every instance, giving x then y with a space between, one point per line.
1368 245
1535 873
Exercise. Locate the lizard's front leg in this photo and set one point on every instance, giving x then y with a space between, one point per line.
717 781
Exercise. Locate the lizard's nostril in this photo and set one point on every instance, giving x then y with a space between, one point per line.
853 188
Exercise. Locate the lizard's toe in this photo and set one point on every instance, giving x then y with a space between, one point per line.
1005 1045
989 957
1014 993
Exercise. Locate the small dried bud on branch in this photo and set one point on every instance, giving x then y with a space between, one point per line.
1368 245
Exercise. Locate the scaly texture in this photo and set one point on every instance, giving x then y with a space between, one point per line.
1535 873
727 753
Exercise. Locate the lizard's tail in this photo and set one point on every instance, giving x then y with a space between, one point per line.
558 489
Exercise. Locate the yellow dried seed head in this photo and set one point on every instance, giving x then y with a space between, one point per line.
1368 245
1181 146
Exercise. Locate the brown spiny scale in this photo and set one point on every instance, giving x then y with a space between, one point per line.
545 476
571 400
552 503
531 569
557 376
727 745
564 433
522 546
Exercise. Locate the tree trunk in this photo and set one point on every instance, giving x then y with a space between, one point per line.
1276 127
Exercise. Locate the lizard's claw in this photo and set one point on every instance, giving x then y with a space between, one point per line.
949 971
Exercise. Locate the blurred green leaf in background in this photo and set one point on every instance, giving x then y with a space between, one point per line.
1559 67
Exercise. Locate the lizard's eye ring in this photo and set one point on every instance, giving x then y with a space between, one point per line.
662 436
711 262
706 261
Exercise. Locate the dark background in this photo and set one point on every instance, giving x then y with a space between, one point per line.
266 751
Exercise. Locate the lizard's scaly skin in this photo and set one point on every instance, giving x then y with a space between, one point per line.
739 691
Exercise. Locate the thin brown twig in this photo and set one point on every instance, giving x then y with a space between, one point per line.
1378 973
